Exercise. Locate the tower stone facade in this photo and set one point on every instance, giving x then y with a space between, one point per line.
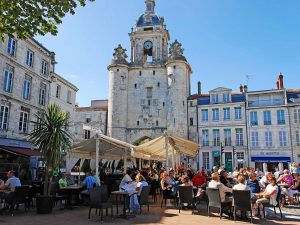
148 93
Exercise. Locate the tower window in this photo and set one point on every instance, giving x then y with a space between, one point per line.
191 121
140 73
174 67
153 72
148 51
163 104
148 28
149 102
149 92
118 70
137 123
156 122
87 134
135 85
158 84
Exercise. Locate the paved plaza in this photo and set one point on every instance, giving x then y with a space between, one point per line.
155 216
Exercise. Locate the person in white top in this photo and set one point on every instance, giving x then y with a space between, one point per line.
215 183
126 178
265 180
269 195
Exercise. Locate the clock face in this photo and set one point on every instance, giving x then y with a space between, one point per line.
148 45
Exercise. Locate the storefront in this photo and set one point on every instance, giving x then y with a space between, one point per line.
216 158
228 161
269 160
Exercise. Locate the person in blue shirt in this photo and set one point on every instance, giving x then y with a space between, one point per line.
89 181
253 184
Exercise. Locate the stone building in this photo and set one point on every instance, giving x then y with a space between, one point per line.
261 127
273 126
148 95
63 94
293 101
25 67
216 119
89 120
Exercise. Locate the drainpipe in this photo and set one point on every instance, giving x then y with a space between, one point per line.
291 139
247 140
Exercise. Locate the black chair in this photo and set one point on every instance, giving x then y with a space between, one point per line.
143 198
242 201
186 196
214 200
99 200
59 195
278 198
19 196
153 190
168 195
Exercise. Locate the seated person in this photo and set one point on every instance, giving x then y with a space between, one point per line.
126 178
185 180
199 179
90 181
269 195
264 181
294 189
63 181
227 201
286 179
223 178
241 185
140 183
181 168
171 180
165 186
215 183
10 185
253 184
11 182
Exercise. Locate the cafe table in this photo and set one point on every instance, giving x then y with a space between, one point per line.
125 194
71 190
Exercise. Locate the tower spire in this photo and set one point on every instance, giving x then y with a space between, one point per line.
150 5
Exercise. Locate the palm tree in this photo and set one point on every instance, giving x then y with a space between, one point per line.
50 135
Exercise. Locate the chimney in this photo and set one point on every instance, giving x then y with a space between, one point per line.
199 88
280 81
245 88
241 89
277 83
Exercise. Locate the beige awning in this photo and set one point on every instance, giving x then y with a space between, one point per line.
156 148
109 148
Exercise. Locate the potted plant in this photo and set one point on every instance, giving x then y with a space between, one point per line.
50 135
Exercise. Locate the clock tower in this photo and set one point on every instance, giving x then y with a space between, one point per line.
148 92
149 38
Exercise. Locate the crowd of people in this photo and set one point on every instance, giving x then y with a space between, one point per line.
264 187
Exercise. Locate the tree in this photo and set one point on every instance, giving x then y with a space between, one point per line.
50 135
26 18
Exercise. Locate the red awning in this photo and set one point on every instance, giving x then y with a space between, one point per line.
20 151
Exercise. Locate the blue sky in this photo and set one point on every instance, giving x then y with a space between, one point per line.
224 41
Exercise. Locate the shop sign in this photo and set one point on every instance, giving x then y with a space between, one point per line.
265 153
216 154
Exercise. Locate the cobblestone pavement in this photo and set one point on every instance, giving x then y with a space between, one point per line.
165 216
